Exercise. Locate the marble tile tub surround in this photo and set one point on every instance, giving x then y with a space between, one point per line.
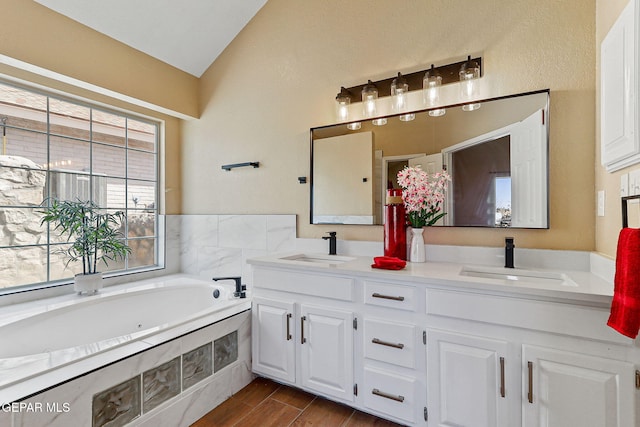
191 404
219 245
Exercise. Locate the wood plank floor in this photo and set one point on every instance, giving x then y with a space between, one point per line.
264 403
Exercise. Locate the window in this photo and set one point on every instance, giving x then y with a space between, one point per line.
60 148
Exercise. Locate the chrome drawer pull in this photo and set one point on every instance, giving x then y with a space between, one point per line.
388 344
377 295
387 395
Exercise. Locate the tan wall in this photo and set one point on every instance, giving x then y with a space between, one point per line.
36 35
280 75
607 227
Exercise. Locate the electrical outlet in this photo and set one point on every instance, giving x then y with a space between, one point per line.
624 185
601 203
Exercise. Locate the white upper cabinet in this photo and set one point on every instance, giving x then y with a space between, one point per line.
620 145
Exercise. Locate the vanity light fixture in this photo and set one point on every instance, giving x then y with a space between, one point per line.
407 117
343 99
399 89
466 73
437 112
354 126
469 83
369 99
379 122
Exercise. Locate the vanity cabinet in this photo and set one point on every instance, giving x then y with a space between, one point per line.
438 352
393 372
274 348
467 380
300 339
537 363
326 351
565 388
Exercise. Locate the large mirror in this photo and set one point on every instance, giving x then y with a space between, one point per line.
497 156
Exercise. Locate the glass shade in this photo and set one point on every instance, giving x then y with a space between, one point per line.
399 90
469 79
369 99
437 112
343 99
379 122
407 117
431 87
354 126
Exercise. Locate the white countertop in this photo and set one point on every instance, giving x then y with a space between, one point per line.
579 286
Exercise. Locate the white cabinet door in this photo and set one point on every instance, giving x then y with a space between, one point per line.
273 338
466 381
570 389
326 351
618 86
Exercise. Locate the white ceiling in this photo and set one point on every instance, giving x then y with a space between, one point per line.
188 34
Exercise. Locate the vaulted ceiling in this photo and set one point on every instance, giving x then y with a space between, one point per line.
188 35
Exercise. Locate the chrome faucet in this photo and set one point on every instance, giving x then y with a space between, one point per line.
508 252
240 288
332 242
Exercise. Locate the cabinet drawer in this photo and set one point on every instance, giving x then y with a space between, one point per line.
567 319
390 394
390 342
388 295
340 288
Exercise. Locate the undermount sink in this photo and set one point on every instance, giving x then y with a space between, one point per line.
516 275
319 258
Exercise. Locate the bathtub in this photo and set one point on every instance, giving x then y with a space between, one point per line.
45 342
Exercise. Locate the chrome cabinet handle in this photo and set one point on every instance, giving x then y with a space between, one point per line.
288 326
302 338
502 392
377 295
387 395
530 394
388 344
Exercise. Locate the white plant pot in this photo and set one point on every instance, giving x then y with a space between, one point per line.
87 284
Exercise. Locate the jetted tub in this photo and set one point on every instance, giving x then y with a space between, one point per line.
53 334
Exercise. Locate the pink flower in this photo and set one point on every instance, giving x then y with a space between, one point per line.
423 194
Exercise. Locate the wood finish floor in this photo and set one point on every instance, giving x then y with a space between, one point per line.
264 403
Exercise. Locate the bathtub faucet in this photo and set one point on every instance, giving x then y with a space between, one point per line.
240 288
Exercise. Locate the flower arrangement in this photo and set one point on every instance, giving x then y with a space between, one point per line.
423 195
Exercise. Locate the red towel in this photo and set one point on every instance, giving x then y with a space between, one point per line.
388 263
625 306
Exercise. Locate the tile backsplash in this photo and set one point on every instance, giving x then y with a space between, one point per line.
219 245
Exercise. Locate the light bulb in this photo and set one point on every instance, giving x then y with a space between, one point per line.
431 87
343 99
369 97
399 89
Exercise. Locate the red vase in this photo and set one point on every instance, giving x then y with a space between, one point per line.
395 237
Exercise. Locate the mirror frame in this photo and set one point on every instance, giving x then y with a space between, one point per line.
426 110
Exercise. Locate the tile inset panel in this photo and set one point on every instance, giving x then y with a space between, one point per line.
196 365
225 350
118 405
160 384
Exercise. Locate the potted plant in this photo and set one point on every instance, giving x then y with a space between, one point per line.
96 238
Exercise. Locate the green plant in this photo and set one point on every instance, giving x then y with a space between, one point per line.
95 232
